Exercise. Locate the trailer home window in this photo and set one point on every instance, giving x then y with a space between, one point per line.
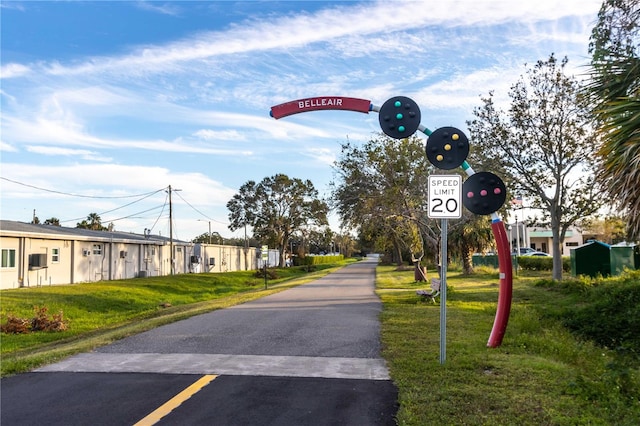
97 249
55 255
8 258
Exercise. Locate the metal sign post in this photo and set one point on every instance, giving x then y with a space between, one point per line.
443 291
444 203
265 259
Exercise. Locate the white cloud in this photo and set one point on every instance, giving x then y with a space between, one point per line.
212 135
82 154
12 5
94 96
13 70
329 24
192 191
194 112
164 8
322 155
7 147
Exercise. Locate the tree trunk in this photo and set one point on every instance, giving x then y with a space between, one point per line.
467 264
397 253
419 272
556 250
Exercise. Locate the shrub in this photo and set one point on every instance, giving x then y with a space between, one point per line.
317 260
40 322
608 312
611 318
272 273
542 263
15 325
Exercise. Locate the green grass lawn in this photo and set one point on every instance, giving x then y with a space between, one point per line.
540 375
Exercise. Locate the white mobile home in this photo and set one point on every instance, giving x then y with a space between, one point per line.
34 255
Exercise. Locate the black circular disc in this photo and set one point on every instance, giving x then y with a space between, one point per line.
483 193
399 117
447 148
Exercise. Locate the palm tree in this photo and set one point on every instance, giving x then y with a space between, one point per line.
472 233
614 92
93 221
54 221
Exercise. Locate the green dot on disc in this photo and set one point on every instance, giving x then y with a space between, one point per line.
399 116
398 104
401 128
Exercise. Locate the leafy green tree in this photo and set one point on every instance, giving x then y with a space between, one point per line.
53 221
240 242
472 234
320 240
614 92
206 238
345 243
379 191
93 221
277 207
545 144
610 229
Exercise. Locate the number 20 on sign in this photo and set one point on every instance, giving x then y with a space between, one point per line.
445 197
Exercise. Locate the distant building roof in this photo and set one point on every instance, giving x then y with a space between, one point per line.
13 228
594 242
547 234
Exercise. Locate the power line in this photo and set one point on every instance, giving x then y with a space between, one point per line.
117 208
160 215
78 195
204 215
137 213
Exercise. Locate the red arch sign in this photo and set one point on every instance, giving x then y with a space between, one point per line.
320 103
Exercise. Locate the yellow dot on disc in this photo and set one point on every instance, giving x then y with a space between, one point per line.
447 147
455 137
439 157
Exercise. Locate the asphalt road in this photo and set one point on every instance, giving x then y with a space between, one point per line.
306 356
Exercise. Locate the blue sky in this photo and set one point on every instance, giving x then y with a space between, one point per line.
107 100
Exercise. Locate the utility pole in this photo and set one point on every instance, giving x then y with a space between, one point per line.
171 232
171 229
202 220
246 249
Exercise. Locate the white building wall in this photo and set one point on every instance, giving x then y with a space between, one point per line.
10 276
222 258
91 262
77 259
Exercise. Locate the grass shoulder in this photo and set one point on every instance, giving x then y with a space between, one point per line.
543 373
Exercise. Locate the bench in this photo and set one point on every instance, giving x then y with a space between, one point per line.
430 294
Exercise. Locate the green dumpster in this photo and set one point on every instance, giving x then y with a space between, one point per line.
480 260
624 255
592 258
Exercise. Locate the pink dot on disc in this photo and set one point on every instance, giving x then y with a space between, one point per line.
483 192
497 191
470 194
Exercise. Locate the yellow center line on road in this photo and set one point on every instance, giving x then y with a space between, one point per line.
175 402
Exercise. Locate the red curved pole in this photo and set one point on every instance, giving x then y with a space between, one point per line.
506 284
499 232
505 291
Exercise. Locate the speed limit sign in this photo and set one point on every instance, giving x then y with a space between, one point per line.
445 197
